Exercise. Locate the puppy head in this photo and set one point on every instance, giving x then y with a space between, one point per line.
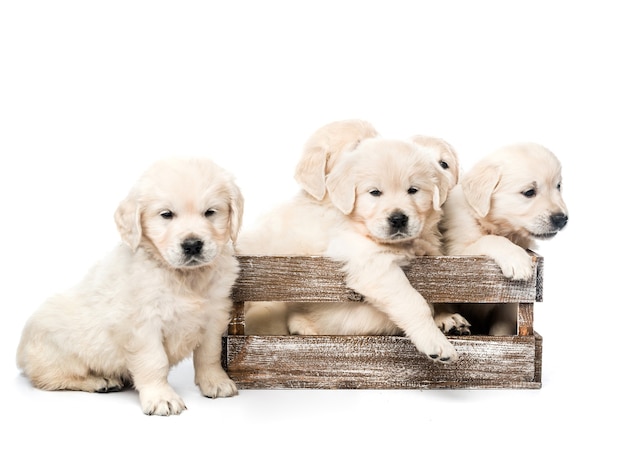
388 190
183 211
516 192
446 159
323 149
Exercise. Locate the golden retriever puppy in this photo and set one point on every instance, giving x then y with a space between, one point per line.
300 225
381 207
503 204
161 295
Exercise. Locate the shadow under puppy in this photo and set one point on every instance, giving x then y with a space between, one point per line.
378 207
503 204
161 295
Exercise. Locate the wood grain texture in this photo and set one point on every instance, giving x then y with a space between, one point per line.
327 362
525 317
384 362
438 279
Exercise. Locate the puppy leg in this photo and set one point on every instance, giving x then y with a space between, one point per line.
378 276
71 375
513 260
49 368
149 365
50 356
410 311
207 361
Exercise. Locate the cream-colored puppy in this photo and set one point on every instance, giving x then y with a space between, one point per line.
301 226
380 207
503 204
161 295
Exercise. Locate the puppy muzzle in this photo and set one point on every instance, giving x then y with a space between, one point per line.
192 247
194 252
398 223
557 222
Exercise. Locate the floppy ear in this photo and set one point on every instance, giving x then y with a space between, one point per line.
128 221
341 189
478 186
236 211
322 149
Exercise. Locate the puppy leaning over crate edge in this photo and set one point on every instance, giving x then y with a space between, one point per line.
506 202
158 297
371 204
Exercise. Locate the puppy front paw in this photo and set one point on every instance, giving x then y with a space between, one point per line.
516 265
216 384
452 324
435 345
161 401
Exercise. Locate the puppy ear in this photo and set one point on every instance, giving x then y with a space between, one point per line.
478 186
236 211
341 189
128 221
323 148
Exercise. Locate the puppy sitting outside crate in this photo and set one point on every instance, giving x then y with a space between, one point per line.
154 300
504 203
372 204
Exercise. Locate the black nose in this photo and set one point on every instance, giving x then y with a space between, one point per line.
192 247
558 220
398 220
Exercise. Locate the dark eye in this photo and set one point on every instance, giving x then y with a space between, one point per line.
209 213
166 214
375 193
412 190
558 186
529 193
444 164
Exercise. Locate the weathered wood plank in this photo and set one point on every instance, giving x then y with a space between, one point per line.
438 279
525 318
237 321
330 362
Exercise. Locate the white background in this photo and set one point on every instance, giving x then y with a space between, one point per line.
92 92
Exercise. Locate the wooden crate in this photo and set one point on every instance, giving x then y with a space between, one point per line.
332 362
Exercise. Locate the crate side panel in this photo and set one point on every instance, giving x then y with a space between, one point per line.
377 362
438 279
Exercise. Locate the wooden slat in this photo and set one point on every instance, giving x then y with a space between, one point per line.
438 279
237 321
290 279
328 362
538 356
525 317
539 295
468 279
